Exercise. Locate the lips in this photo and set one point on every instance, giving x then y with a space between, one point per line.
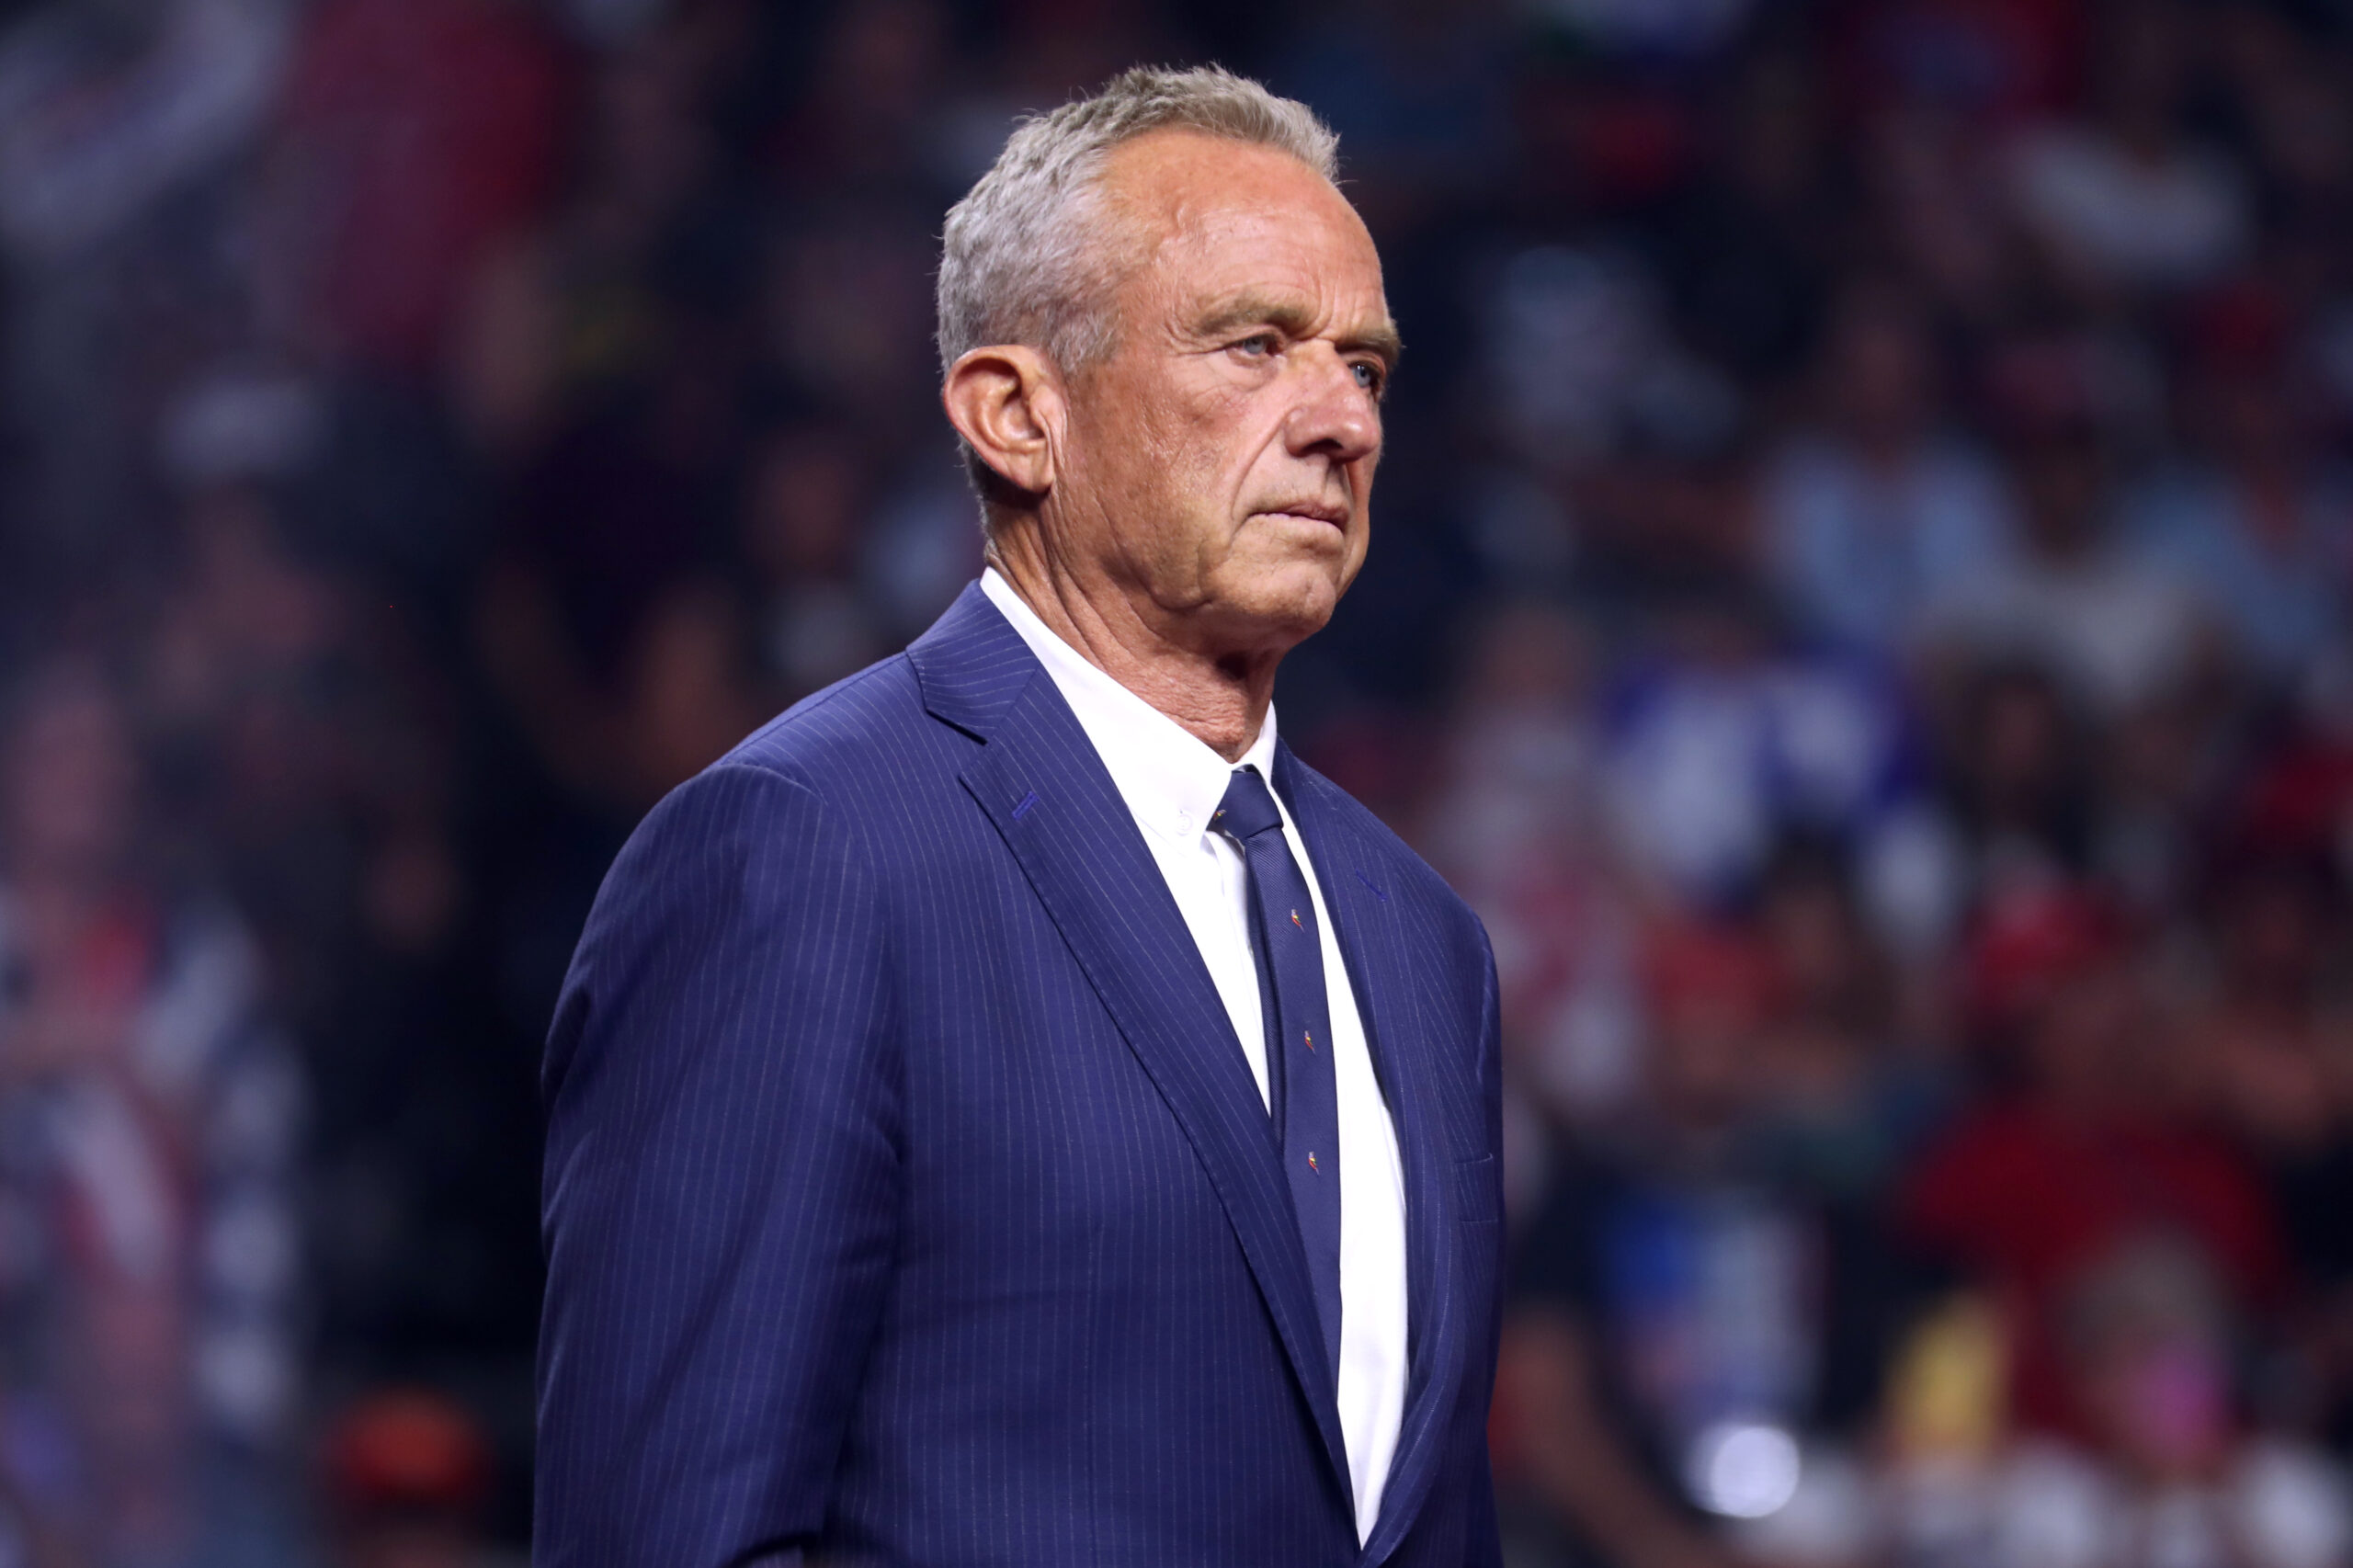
1321 511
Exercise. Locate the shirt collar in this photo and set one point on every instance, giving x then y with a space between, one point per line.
1169 778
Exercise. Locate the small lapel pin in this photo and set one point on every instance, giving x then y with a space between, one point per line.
1311 1165
1294 919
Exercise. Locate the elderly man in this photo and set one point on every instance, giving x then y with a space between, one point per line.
1010 1111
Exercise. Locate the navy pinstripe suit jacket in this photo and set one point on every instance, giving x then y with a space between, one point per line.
909 1200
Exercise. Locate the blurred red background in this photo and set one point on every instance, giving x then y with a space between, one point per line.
1858 604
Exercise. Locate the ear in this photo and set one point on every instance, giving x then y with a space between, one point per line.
1007 402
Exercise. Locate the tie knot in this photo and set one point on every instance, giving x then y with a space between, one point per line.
1248 809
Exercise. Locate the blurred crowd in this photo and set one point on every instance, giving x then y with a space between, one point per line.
1858 604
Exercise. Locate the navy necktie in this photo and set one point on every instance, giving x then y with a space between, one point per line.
1302 1092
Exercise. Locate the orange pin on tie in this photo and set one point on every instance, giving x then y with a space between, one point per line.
1294 919
1311 1165
1308 1038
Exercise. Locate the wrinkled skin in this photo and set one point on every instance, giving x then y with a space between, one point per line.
1196 501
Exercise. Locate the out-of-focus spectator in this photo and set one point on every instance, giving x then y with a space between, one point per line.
416 134
607 385
2126 199
1517 821
2164 1472
1678 1305
2089 1154
2273 1059
2273 1065
1938 199
873 117
251 691
597 302
94 128
151 1272
2151 1338
1721 742
2016 782
121 136
1579 361
1848 1089
2120 632
2258 523
806 497
620 738
1756 239
1872 510
2284 102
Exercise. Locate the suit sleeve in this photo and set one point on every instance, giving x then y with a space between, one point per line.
1485 1546
721 1185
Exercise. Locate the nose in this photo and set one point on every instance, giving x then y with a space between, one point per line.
1334 415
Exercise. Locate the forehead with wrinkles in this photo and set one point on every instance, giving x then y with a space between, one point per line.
1238 233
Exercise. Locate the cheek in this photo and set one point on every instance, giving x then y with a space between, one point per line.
1175 446
1227 436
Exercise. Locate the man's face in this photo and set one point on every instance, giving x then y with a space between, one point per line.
1219 461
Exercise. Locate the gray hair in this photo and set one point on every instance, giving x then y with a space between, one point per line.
1025 260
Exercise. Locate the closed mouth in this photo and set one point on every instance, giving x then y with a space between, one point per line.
1316 511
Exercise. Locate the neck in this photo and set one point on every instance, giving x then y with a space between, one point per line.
1217 696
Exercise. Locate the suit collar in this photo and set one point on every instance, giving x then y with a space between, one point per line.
972 664
1169 778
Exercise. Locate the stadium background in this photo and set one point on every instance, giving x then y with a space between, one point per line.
1858 604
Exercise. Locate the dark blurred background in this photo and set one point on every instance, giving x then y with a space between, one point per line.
1858 604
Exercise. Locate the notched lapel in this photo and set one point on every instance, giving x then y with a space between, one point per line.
1041 784
1398 1032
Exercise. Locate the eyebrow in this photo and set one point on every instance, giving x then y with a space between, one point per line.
1292 320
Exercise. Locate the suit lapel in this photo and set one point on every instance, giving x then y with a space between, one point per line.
1366 919
1039 781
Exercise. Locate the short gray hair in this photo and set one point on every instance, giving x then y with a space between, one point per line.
1025 260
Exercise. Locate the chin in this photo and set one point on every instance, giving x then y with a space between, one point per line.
1293 602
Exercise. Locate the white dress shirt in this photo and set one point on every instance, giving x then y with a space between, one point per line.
1173 783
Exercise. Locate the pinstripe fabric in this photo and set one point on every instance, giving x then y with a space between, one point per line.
909 1200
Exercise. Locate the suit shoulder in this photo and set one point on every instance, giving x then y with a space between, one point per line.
793 816
835 742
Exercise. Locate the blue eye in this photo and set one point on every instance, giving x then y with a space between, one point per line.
1367 375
